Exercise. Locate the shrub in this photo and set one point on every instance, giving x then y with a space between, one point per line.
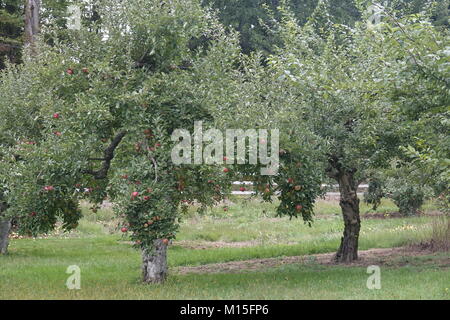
408 199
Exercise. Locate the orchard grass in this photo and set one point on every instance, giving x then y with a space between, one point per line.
110 267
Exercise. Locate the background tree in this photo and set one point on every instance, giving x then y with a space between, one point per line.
406 184
339 78
329 69
11 26
32 9
323 89
254 21
417 85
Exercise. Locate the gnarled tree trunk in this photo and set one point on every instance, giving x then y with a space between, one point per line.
154 267
348 250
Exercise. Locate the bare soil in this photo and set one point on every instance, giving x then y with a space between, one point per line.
391 215
203 245
394 257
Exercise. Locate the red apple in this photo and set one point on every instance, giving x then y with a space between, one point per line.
70 71
134 195
33 214
225 209
85 70
57 133
146 198
124 229
49 188
226 170
298 207
290 180
242 189
56 116
166 241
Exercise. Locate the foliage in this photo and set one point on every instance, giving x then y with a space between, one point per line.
330 78
405 183
374 193
417 83
408 199
255 20
325 88
92 116
11 26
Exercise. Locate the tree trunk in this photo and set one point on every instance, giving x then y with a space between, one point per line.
154 268
5 227
349 202
32 8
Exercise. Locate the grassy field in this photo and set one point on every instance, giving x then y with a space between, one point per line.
110 267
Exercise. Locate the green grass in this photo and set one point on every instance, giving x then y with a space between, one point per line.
110 267
110 270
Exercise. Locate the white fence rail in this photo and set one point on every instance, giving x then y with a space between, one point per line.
361 188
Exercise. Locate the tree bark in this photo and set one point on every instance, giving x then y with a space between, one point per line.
32 8
154 268
5 227
349 202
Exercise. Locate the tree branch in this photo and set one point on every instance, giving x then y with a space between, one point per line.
6 47
108 156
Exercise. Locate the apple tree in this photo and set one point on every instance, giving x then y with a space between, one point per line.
352 89
419 81
325 91
91 116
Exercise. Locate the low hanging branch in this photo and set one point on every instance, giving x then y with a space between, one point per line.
108 156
